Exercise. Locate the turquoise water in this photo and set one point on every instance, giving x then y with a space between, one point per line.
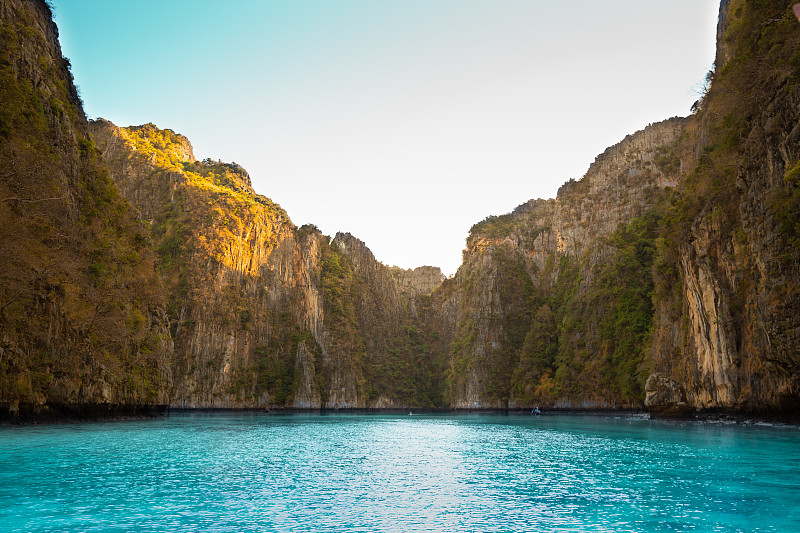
260 472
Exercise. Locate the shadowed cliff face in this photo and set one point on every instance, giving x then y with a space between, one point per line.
675 257
728 331
402 365
526 311
82 327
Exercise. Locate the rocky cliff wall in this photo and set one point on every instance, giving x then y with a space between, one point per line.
727 334
244 304
417 282
529 274
263 314
402 367
667 275
674 258
82 322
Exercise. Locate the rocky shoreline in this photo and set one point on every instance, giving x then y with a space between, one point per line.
59 413
108 413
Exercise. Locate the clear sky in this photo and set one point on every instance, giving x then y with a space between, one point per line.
402 122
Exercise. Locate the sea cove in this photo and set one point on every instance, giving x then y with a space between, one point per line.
262 472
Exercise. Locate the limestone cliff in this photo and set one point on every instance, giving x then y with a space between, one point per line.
82 327
674 259
520 329
728 325
667 276
244 304
263 314
418 281
402 368
414 284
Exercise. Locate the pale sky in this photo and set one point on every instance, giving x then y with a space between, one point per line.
403 122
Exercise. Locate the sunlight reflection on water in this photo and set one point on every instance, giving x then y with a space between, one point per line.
240 472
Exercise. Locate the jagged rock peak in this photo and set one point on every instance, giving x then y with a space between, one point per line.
151 137
353 247
649 137
359 254
639 145
636 162
723 50
175 142
170 151
419 281
410 282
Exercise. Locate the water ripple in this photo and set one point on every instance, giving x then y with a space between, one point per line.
301 473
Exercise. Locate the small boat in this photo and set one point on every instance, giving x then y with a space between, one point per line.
535 411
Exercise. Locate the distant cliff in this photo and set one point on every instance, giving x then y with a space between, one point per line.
82 322
668 275
552 303
263 314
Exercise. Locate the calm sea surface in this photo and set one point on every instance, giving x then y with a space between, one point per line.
477 473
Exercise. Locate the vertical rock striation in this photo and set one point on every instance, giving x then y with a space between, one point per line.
263 314
729 329
133 275
245 308
530 274
82 322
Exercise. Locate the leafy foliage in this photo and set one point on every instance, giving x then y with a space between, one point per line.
340 288
493 227
78 293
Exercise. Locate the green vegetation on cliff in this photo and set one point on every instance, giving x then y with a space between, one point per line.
763 71
80 305
604 329
786 203
732 226
212 235
569 335
340 289
677 254
702 288
412 372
